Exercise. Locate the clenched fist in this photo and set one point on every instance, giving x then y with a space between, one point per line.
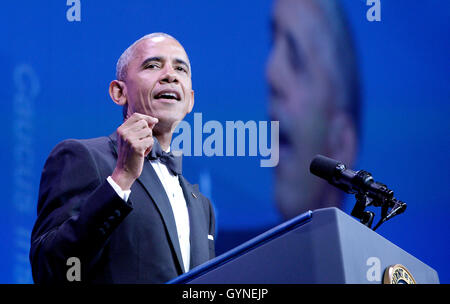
135 141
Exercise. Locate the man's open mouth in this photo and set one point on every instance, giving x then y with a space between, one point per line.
168 95
286 145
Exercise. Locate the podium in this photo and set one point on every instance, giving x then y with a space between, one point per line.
325 246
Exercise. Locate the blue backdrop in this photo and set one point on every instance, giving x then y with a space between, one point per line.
56 72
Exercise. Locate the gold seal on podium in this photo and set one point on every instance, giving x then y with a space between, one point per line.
398 274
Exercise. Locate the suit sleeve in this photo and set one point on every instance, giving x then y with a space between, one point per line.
212 229
77 212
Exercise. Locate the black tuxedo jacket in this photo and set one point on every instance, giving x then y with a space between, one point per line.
80 215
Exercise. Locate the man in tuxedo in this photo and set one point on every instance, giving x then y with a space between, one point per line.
314 86
313 78
120 204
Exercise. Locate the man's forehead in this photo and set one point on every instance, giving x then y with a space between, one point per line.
160 46
298 14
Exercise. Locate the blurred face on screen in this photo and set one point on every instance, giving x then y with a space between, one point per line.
301 98
158 81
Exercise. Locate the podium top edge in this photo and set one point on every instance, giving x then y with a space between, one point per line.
243 248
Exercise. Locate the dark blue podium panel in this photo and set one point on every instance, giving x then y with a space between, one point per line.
324 246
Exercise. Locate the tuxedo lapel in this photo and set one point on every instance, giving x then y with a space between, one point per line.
197 223
150 181
153 186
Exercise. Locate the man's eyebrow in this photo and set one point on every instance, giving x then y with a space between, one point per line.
161 59
150 59
181 61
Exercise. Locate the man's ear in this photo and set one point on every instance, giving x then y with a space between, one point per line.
118 92
191 102
342 139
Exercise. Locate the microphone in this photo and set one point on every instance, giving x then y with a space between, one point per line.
337 174
363 185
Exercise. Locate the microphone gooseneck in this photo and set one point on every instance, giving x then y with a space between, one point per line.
361 183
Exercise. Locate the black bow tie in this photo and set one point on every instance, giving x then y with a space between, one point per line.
172 162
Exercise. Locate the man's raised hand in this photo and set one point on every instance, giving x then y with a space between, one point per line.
134 141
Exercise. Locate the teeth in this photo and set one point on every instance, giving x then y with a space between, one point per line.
173 95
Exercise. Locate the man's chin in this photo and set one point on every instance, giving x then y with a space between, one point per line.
165 125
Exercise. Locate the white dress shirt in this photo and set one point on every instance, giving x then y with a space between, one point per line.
177 201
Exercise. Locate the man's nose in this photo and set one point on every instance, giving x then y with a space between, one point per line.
169 75
273 75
